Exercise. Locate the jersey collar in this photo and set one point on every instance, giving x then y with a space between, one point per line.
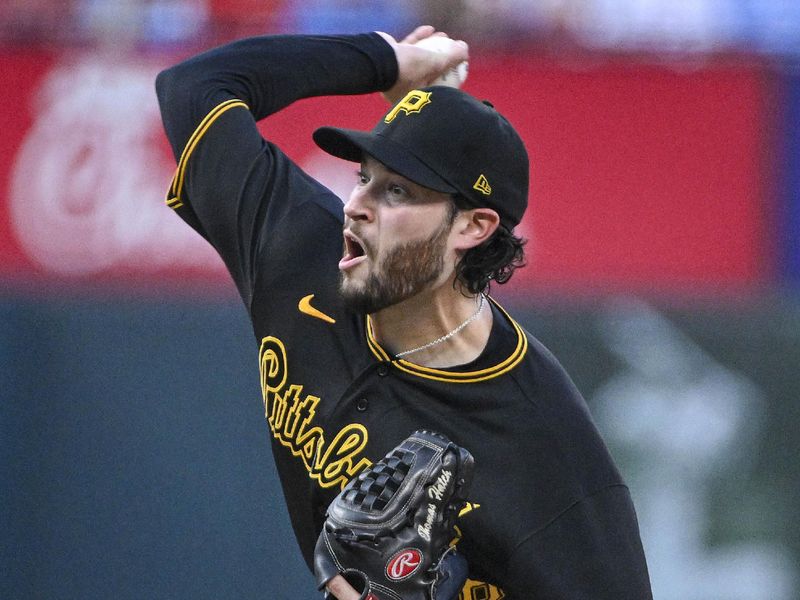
502 367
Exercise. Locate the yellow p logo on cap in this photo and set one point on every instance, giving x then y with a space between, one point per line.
414 101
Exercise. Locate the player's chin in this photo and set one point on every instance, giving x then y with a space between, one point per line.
353 281
351 287
356 295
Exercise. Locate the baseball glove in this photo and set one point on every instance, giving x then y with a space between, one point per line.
388 532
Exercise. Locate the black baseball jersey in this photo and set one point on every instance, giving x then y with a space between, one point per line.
549 515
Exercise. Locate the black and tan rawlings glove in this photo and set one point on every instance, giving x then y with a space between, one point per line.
389 531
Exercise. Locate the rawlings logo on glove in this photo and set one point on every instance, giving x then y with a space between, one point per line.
388 531
403 564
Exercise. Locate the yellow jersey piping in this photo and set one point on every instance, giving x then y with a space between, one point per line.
174 196
454 376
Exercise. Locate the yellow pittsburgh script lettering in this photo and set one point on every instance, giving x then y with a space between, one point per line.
290 415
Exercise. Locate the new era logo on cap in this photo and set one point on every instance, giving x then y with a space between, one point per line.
482 185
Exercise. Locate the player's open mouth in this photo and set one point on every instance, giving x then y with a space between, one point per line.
353 252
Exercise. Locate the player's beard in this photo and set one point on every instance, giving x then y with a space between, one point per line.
404 272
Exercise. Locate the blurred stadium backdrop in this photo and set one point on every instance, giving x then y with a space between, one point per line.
664 272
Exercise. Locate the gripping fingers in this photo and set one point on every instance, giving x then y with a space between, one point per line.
418 34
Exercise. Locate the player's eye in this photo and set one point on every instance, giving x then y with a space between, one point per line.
398 192
362 177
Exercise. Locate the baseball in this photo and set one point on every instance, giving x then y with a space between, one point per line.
453 77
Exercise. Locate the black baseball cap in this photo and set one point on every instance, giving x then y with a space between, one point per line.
445 139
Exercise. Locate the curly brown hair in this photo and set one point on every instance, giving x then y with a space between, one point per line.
496 259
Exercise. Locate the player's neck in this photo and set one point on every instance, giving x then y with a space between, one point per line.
413 328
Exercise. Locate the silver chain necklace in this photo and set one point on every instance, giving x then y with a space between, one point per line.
446 336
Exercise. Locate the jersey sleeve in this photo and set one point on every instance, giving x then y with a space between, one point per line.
231 185
592 550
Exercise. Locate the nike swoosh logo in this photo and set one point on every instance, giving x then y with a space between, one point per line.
305 307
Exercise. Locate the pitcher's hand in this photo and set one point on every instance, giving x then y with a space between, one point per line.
419 67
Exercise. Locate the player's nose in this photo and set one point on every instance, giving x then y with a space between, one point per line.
359 206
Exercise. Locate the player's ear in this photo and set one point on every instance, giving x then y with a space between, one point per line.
474 226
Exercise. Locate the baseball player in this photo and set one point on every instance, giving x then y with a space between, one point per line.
372 319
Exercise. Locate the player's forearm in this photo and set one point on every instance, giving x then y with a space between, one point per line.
268 73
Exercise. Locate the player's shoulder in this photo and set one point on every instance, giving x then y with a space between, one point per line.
539 366
543 380
539 357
